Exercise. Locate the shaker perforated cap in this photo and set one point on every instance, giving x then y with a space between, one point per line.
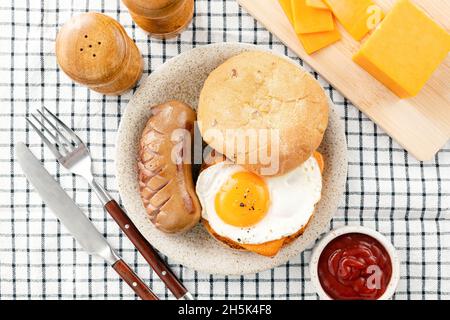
91 48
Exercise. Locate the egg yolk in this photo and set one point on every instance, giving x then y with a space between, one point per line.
243 200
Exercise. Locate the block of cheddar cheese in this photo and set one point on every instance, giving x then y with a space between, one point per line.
405 49
308 19
358 17
312 42
319 4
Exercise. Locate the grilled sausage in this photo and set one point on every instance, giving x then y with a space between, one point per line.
165 176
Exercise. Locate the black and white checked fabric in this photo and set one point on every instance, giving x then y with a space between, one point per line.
387 189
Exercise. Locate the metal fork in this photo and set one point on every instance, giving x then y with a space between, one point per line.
72 154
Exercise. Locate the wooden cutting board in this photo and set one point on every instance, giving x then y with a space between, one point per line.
421 124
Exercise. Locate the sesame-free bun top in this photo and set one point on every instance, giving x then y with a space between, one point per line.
258 90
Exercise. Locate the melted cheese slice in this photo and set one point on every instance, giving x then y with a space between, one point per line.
268 249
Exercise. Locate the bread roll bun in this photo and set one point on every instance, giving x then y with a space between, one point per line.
259 93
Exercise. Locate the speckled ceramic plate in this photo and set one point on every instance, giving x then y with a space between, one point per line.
182 78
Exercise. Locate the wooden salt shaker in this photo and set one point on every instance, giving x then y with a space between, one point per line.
94 50
161 18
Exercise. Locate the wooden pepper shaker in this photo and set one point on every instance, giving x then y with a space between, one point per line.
94 50
161 18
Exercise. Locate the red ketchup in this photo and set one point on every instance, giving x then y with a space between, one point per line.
354 266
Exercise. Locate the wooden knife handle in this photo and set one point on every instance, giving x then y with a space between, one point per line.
145 248
135 283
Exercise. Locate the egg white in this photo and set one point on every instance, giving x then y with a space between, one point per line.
292 200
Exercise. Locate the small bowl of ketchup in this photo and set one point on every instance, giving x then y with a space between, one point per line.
355 263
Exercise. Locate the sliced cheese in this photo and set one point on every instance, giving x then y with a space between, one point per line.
319 4
309 20
358 17
268 249
404 50
313 42
286 5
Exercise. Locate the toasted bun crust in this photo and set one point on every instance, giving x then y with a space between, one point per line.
258 90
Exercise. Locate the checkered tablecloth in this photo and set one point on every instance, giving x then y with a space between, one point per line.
387 189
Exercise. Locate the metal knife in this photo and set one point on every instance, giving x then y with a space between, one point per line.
75 221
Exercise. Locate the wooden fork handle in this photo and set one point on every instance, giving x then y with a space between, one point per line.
147 251
135 283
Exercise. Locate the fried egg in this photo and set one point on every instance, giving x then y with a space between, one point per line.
251 209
